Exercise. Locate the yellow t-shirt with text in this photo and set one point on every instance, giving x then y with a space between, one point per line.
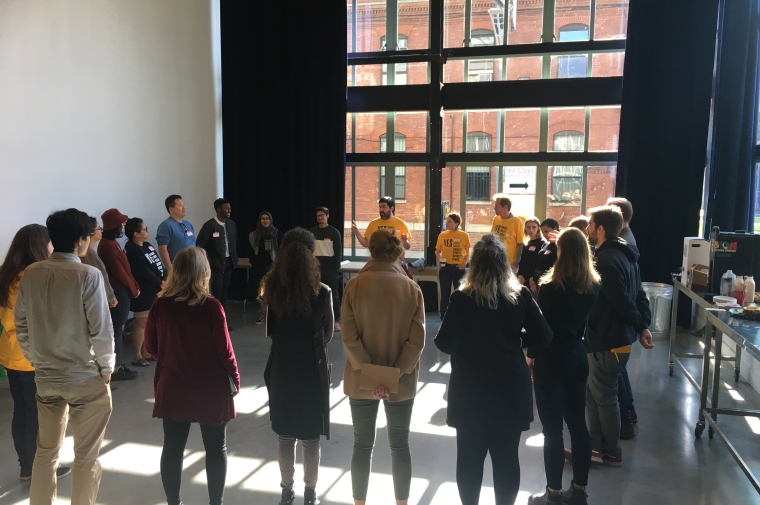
512 232
393 223
453 246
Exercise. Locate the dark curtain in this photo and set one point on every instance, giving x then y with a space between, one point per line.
283 111
731 174
665 114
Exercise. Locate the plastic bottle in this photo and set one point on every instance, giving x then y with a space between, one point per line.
727 284
750 283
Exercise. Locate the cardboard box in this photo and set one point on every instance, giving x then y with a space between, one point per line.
699 275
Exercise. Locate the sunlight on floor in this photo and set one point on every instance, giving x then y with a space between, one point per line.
535 440
238 468
448 494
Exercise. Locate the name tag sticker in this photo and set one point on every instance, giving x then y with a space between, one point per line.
189 233
328 240
150 248
215 234
457 240
509 235
532 248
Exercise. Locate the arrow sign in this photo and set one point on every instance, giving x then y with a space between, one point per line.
524 185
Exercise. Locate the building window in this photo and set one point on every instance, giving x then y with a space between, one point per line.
401 68
567 185
478 187
479 142
399 188
576 65
481 70
573 32
568 140
399 143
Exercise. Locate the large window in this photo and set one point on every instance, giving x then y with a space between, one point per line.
478 184
400 73
481 70
568 140
479 142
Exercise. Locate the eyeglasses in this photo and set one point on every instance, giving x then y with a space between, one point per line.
99 228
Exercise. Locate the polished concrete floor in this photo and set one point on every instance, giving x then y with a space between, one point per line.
664 463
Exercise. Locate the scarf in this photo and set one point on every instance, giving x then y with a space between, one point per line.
268 233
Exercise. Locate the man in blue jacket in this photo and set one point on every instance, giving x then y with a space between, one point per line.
620 315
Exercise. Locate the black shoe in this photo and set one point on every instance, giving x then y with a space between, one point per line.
260 321
310 497
63 471
547 498
288 497
123 374
26 475
575 496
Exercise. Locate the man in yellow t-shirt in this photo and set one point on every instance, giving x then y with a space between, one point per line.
387 220
509 228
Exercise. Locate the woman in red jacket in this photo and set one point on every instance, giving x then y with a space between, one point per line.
195 371
123 283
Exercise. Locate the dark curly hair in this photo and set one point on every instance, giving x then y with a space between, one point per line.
293 280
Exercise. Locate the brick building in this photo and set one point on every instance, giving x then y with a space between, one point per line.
568 189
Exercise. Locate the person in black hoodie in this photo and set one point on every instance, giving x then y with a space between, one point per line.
547 256
218 236
529 257
620 315
565 295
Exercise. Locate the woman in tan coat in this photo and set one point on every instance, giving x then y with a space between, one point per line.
383 324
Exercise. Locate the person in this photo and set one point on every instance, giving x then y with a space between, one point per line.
566 294
383 324
218 236
580 222
490 402
125 286
547 256
195 371
452 252
265 240
386 221
329 251
628 416
67 336
175 232
149 272
299 319
30 245
92 259
620 314
529 259
509 228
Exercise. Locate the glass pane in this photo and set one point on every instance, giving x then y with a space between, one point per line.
564 193
566 129
366 200
478 216
482 131
600 185
369 127
348 133
522 130
348 216
349 25
523 69
607 64
348 76
524 22
412 208
569 66
611 19
369 75
604 128
452 131
413 125
370 25
451 191
453 23
485 70
572 20
519 184
486 25
414 73
413 22
453 71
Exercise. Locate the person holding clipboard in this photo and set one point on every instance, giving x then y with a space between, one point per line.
383 334
452 252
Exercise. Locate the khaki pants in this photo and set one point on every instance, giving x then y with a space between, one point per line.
88 405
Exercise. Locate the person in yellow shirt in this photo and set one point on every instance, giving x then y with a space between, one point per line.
386 221
509 228
451 253
30 245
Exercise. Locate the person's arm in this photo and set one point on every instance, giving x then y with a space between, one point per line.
616 291
22 325
163 253
222 343
438 251
328 320
163 235
337 249
355 352
537 332
447 339
520 248
99 323
359 236
544 300
642 304
412 349
465 259
405 241
205 234
151 335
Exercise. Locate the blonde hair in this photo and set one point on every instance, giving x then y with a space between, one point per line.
384 245
574 268
490 275
189 277
531 219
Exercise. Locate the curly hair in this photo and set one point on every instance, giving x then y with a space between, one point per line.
293 280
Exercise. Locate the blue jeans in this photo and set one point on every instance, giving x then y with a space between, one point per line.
448 275
24 426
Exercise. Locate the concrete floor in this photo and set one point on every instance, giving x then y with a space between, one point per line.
664 463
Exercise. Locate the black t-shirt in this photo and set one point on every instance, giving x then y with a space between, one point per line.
529 259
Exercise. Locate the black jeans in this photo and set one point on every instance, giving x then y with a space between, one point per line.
561 395
119 316
625 397
215 443
24 426
220 282
472 446
448 275
331 277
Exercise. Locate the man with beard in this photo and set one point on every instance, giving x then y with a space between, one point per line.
386 221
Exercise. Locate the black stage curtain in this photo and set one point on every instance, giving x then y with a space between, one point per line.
731 174
667 86
283 111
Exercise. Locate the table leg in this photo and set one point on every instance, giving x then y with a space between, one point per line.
705 380
716 377
737 363
673 318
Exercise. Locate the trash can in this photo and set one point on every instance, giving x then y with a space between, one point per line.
660 298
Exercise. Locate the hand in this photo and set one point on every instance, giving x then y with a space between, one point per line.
381 393
521 279
533 286
645 339
354 227
106 378
114 302
462 265
138 293
553 236
529 361
404 237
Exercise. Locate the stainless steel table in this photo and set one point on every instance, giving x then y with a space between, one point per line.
746 335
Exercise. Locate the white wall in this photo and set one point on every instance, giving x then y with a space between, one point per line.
106 103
